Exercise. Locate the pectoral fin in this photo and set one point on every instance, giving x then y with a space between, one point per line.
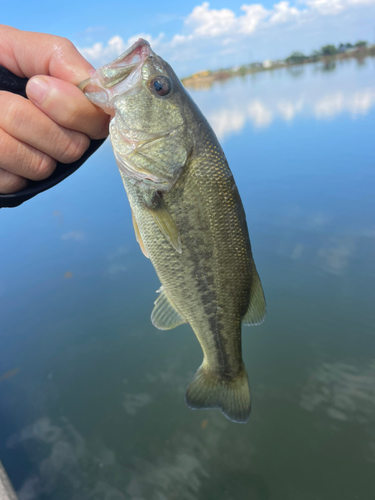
256 311
165 222
138 237
164 316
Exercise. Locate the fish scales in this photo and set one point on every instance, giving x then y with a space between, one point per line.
207 271
201 277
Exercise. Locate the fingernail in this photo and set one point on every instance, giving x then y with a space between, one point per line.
37 89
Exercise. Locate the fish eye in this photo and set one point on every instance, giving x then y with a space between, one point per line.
160 85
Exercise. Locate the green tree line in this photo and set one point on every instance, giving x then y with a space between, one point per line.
326 50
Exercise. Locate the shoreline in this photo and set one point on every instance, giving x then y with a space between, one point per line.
204 79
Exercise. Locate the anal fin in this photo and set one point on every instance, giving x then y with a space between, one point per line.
138 237
164 316
256 311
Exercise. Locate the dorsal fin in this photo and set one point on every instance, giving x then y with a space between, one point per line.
256 311
164 316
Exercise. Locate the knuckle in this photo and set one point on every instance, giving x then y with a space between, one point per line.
96 127
43 166
70 116
101 129
64 45
3 142
11 183
11 112
16 184
75 148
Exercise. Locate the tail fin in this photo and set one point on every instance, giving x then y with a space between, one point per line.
232 397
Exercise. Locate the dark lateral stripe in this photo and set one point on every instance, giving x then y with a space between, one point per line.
208 296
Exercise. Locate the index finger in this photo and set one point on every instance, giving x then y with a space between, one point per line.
27 54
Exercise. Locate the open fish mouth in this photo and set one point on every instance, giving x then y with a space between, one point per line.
118 77
113 73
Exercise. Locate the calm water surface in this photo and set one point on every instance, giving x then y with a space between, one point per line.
94 408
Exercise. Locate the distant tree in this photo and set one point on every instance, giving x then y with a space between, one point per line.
296 58
343 47
361 43
328 50
316 55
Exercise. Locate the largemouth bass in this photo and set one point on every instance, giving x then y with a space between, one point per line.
188 219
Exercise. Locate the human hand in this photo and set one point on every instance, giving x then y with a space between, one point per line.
57 121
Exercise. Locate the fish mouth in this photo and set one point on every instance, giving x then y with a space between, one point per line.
117 77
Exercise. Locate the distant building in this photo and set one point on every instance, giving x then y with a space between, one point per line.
201 74
267 64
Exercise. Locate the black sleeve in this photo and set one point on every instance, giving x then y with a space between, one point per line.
12 83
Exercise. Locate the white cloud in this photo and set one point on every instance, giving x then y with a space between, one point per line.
179 39
326 7
206 22
155 42
283 13
254 13
332 7
115 46
273 32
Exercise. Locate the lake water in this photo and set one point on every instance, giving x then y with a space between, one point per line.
92 401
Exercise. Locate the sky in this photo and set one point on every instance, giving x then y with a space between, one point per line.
192 35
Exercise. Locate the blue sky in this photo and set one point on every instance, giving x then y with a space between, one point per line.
195 35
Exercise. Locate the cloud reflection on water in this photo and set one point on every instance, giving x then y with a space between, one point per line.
332 249
62 448
264 98
66 461
334 258
262 113
343 391
133 402
118 260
